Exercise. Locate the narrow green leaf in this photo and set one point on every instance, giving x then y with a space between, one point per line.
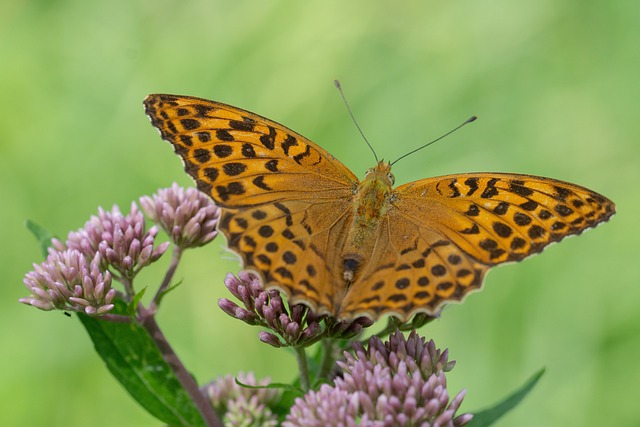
166 291
42 235
131 307
135 361
284 403
281 386
488 416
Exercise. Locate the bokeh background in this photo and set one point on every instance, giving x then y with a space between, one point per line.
555 84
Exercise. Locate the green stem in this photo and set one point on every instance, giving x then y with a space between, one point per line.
128 287
303 368
327 362
175 260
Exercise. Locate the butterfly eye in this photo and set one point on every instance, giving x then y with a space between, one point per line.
391 178
368 172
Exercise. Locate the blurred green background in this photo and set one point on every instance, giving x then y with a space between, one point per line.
555 84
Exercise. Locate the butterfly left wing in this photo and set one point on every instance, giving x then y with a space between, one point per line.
497 218
443 234
413 268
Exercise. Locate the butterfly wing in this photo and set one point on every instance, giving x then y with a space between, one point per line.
295 246
242 159
413 268
497 218
443 234
286 201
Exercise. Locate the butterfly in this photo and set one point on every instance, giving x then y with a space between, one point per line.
347 248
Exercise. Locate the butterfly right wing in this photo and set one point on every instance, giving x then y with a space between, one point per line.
295 246
242 159
286 201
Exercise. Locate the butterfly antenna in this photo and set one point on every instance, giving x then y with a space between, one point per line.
337 83
469 120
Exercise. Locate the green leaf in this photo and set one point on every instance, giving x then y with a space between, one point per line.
286 399
279 386
282 407
488 416
42 235
135 361
166 291
131 307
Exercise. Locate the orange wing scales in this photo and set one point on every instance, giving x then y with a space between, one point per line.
445 233
503 217
242 159
415 270
303 221
288 244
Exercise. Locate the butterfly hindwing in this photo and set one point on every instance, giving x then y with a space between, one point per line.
294 245
413 268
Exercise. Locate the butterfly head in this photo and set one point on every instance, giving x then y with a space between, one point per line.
381 174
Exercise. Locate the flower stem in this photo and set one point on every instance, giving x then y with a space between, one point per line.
327 361
115 318
205 409
128 286
303 368
175 260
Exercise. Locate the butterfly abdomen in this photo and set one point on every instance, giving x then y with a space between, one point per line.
371 203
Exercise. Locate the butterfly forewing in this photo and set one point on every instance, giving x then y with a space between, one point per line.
242 159
497 217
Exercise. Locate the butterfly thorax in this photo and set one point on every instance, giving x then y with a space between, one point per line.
371 204
372 197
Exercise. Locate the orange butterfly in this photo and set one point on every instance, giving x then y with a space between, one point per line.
347 248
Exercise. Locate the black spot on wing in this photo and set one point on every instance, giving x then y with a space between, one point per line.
259 182
248 151
268 141
454 188
298 157
271 165
472 183
222 150
246 124
517 187
224 135
190 124
287 143
490 191
234 168
231 189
